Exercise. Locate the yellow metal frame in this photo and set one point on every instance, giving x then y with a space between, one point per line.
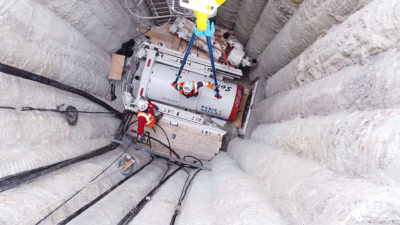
202 10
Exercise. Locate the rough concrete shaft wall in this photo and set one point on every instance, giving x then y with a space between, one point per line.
163 202
226 195
367 32
274 16
39 128
197 209
362 144
45 193
249 14
102 21
313 19
306 193
34 139
227 13
374 85
25 93
19 159
238 197
35 39
110 177
117 203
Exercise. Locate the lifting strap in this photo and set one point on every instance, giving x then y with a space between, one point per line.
209 32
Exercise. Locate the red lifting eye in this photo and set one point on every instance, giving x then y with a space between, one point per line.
148 63
141 92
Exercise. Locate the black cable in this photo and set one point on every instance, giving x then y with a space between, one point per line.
77 192
126 116
28 108
135 211
162 143
129 124
165 133
155 139
184 189
47 81
11 181
7 107
113 96
98 198
182 197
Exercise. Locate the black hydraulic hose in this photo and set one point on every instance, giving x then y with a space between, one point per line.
165 145
119 134
165 133
129 124
11 181
184 190
91 203
182 197
135 211
47 81
155 139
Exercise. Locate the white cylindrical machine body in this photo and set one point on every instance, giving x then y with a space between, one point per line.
159 89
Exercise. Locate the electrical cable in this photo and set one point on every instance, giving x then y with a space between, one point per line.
162 143
12 181
182 197
47 81
155 139
98 198
28 108
77 192
158 141
166 171
135 210
165 133
184 189
7 107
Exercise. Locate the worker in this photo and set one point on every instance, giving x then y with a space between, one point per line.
191 88
146 116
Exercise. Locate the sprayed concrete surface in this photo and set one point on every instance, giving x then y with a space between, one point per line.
227 195
164 202
273 18
249 14
358 144
44 193
304 191
313 19
373 85
369 31
324 142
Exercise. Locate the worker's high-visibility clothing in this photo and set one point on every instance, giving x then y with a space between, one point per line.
150 119
146 118
195 91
